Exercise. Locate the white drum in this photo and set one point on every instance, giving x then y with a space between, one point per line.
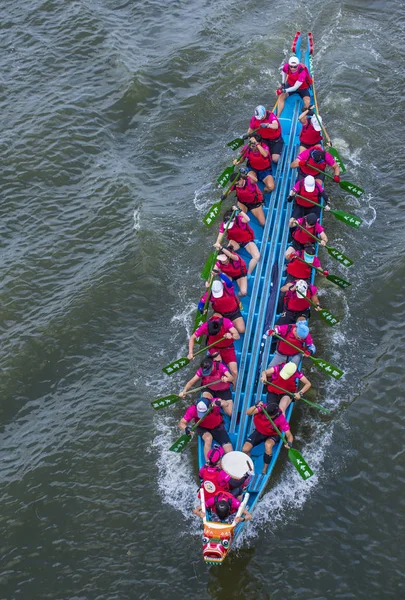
236 464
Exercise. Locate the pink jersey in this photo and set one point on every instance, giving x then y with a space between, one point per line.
221 368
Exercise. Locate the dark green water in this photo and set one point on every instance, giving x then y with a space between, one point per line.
114 124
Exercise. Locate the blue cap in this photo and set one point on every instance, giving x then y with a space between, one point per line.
302 329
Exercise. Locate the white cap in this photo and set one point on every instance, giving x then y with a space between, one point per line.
293 62
222 257
315 124
302 287
309 183
288 370
217 289
201 408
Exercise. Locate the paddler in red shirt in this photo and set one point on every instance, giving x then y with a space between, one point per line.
318 158
211 427
294 307
265 432
311 132
270 130
212 370
296 269
224 302
250 198
300 237
297 334
284 375
258 157
233 266
216 328
240 234
295 79
307 188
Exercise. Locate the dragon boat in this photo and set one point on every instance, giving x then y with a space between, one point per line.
259 308
260 313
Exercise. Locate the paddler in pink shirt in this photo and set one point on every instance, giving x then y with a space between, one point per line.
212 369
211 427
318 158
270 130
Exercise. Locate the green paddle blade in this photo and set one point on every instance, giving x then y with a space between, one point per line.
337 158
338 281
165 401
328 317
212 214
199 320
347 218
300 464
355 190
181 443
176 365
236 143
224 177
335 253
326 367
209 265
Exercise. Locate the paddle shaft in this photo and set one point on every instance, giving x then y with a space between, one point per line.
309 265
309 233
207 347
274 425
202 387
338 214
303 399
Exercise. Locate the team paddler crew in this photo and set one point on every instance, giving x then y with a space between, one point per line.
233 266
249 196
240 234
318 158
258 157
294 305
284 375
264 431
300 237
224 302
296 269
270 130
212 426
216 328
308 188
297 334
223 507
295 79
311 132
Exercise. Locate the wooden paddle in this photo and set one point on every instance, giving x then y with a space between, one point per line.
183 441
334 252
314 404
178 364
295 457
333 278
343 216
328 368
173 398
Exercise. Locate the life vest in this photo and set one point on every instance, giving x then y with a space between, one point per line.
257 161
212 420
298 269
292 77
267 133
239 234
307 169
214 376
284 348
249 193
227 303
234 268
213 480
289 384
301 236
228 498
263 425
309 135
314 196
296 303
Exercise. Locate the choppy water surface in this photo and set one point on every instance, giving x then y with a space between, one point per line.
114 124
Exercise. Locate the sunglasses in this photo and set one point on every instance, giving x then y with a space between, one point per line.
296 67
